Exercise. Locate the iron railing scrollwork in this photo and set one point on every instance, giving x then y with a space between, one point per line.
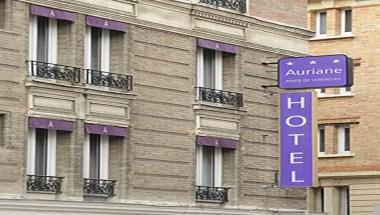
98 187
107 79
37 183
238 5
217 194
220 96
54 71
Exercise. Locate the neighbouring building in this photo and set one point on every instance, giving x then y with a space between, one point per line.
349 164
144 107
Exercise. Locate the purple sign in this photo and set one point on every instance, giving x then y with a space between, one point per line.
296 151
315 72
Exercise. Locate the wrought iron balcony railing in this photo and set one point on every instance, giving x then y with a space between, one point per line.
215 194
37 183
238 5
54 71
98 187
219 96
106 79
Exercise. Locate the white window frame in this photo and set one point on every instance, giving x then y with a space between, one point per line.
341 138
105 53
319 139
343 22
318 24
52 40
51 152
104 157
217 166
344 198
218 69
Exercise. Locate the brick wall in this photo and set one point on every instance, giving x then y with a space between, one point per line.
291 12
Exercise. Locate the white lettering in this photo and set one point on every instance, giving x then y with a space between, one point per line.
294 158
303 121
290 72
296 139
294 178
302 102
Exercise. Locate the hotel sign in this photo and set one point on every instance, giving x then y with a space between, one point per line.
315 72
296 140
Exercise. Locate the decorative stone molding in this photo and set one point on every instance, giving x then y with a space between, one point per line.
219 18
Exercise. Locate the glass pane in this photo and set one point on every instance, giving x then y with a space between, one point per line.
322 23
41 151
42 39
208 166
94 156
348 21
346 139
321 139
209 68
96 38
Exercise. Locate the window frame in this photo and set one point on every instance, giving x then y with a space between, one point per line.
344 200
217 174
104 157
105 53
52 39
342 140
218 68
343 22
51 152
318 24
321 127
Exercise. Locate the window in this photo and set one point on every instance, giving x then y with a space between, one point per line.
2 13
42 152
344 200
98 49
210 68
96 151
43 39
321 25
321 139
209 166
346 23
321 92
319 199
345 91
343 134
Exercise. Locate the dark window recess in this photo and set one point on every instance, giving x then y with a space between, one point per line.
347 139
42 39
2 14
41 151
2 129
321 139
322 22
348 21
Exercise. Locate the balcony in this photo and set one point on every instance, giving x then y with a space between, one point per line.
211 194
98 187
219 96
237 5
73 75
106 79
49 184
54 71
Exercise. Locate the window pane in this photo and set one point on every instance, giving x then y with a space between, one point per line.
323 90
94 155
2 13
41 151
348 21
96 38
209 68
321 139
346 139
322 22
42 39
344 202
320 200
208 166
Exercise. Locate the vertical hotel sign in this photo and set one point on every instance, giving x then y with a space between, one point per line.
296 139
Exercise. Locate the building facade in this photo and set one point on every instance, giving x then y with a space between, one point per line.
144 107
348 162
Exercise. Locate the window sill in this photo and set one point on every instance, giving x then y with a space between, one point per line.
346 154
337 37
335 95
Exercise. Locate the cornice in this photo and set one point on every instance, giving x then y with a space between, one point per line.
219 18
